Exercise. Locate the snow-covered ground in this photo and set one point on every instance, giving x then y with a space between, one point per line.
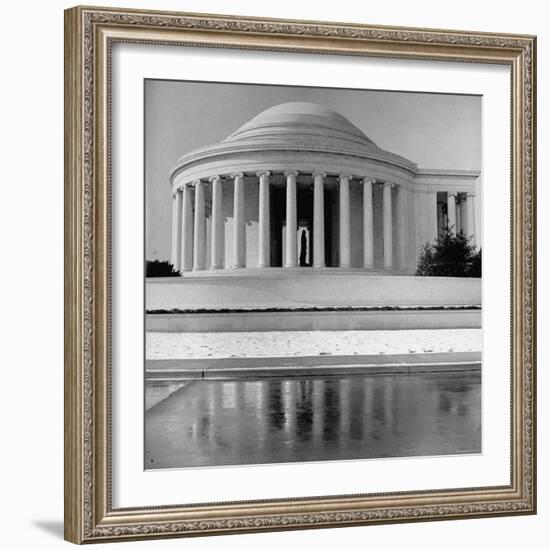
214 345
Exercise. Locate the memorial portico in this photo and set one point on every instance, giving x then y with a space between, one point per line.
190 233
300 186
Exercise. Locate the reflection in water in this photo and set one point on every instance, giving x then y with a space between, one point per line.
210 423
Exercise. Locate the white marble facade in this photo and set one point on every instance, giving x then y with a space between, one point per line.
300 186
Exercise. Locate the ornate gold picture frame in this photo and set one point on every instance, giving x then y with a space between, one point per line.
90 34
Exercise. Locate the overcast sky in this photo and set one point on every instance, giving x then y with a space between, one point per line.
433 130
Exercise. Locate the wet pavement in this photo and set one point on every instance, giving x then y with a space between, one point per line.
216 422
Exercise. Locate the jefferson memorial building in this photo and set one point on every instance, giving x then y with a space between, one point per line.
299 212
299 186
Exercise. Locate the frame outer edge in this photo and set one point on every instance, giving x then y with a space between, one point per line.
534 275
73 433
531 221
84 469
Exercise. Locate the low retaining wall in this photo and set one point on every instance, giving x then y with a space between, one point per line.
306 287
313 320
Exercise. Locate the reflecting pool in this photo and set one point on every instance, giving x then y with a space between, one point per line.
212 423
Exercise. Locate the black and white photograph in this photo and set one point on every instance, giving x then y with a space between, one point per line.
313 274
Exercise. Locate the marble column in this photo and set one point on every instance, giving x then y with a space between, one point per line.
218 230
470 218
264 253
239 235
187 230
401 225
451 212
368 225
434 211
318 219
291 259
388 226
176 224
344 215
199 242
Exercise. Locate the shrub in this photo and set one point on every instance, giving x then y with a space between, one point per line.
451 256
156 268
475 265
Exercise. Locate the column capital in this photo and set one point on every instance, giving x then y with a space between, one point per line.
452 194
388 184
318 173
344 177
196 183
367 179
263 173
235 175
212 179
294 173
471 194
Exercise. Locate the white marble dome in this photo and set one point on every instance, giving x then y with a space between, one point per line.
299 136
302 124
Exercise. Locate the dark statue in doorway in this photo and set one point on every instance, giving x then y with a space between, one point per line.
303 248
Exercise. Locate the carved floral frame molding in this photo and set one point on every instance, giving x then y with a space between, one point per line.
89 35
